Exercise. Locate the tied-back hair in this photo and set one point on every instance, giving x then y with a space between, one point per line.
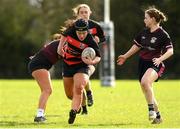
78 7
69 22
159 16
56 36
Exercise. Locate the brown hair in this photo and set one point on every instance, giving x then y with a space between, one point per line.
56 36
69 23
157 14
78 7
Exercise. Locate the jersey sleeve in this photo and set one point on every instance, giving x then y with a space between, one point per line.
137 40
167 41
100 33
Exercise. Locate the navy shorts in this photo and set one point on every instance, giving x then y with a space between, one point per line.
39 61
145 64
69 71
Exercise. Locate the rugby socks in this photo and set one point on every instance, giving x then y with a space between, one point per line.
158 115
40 112
89 92
151 107
84 108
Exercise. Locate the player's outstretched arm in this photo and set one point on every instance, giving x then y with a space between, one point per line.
122 58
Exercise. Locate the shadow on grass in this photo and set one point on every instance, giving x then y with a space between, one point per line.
61 124
11 123
54 116
17 124
104 125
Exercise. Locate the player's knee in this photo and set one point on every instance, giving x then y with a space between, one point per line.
79 89
145 84
84 83
48 91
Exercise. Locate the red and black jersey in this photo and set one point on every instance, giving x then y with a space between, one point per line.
74 47
153 44
96 30
50 51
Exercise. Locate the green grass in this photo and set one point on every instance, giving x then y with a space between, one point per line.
122 106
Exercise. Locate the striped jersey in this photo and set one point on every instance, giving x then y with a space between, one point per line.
96 30
74 47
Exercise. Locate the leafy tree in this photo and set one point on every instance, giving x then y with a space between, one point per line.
25 25
128 18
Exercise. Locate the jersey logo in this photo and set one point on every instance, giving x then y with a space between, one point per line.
150 48
93 31
153 40
82 46
143 37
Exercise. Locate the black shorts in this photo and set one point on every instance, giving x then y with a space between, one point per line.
39 61
69 71
144 65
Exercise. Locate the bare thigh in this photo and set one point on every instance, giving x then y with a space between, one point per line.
80 80
149 76
42 76
68 86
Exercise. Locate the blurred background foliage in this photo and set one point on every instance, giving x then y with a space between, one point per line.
25 25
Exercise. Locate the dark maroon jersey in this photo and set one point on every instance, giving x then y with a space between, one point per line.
74 47
50 51
154 44
96 30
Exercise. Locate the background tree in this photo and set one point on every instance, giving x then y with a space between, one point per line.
128 18
25 25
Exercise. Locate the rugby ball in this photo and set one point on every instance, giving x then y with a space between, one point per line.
88 52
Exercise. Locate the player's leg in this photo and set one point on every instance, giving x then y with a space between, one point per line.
84 107
80 81
146 84
158 119
42 76
38 67
89 92
68 87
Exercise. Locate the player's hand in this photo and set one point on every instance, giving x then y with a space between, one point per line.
87 60
156 61
121 59
60 52
96 38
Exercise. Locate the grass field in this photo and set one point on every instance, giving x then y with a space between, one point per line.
122 106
